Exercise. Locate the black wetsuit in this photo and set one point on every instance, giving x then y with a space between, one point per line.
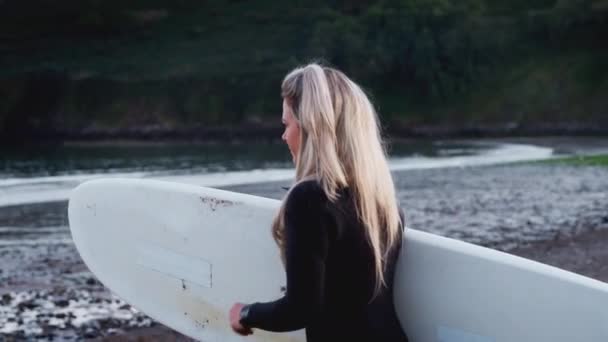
330 275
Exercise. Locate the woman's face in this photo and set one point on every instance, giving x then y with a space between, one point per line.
291 135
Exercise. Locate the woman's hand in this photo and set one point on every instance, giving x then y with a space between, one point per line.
235 316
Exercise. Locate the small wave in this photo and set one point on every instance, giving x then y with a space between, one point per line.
78 178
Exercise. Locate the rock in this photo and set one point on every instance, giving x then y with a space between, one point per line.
90 335
6 299
29 305
46 337
62 303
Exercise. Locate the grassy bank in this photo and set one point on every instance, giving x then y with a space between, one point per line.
596 160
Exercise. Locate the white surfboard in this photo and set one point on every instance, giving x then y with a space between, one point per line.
183 254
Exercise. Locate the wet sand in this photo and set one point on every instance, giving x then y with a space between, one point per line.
585 254
549 213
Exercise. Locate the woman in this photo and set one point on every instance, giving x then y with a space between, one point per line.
339 227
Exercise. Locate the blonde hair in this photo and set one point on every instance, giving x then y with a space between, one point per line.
341 145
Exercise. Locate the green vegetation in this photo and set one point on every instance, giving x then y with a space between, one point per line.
90 64
594 160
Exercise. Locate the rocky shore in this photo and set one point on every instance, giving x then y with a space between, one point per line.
555 214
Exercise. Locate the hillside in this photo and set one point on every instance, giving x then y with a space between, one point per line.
81 68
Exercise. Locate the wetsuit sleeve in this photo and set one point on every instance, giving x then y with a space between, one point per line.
305 254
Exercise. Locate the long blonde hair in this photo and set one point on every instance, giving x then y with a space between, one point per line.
341 145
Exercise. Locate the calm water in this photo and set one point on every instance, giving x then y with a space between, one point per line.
182 158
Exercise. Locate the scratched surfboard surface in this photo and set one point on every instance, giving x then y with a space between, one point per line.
183 254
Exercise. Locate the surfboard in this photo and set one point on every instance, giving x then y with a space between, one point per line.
183 254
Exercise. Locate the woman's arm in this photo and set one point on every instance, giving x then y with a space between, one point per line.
305 252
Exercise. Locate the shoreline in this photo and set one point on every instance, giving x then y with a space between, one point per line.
247 133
